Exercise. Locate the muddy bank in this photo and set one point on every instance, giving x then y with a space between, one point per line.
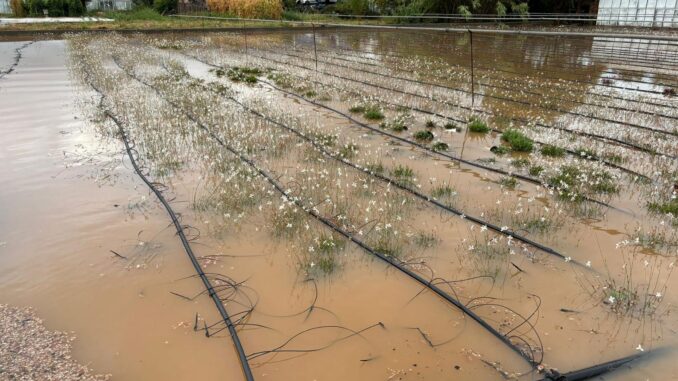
29 351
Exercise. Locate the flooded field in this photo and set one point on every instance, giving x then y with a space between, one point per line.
344 204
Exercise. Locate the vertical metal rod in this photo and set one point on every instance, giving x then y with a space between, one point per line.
244 32
473 93
315 49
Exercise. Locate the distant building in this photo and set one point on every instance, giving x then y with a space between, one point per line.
647 13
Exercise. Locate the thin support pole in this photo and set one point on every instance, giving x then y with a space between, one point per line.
244 32
470 33
315 49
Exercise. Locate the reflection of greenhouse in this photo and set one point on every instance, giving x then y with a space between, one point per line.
649 13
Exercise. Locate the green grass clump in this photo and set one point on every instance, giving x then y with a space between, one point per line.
520 163
443 191
508 182
536 170
450 126
500 150
243 74
586 152
397 125
572 183
430 123
423 136
377 168
373 113
517 140
552 151
664 207
614 158
322 255
348 151
478 126
425 240
357 109
440 146
404 175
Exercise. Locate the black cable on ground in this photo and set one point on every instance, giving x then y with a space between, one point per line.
522 120
185 243
17 58
328 223
592 371
498 97
431 151
575 376
428 112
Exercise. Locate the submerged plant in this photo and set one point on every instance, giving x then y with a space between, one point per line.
478 126
517 140
440 146
552 151
423 136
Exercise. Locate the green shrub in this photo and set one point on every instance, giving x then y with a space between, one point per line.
517 140
423 136
477 125
440 146
552 151
165 7
664 207
536 170
373 113
450 126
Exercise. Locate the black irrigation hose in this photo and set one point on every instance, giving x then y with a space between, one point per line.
434 152
573 376
592 371
427 112
530 92
17 58
184 241
498 97
389 260
582 133
421 196
187 247
495 70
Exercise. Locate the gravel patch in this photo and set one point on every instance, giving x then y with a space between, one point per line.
29 351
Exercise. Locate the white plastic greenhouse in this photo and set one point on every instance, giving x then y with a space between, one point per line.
647 13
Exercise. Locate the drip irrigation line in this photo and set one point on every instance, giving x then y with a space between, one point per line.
580 375
495 70
180 232
427 112
538 124
457 30
592 371
185 243
419 195
523 91
431 151
17 57
525 103
330 224
510 53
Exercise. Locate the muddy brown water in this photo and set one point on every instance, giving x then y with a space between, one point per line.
70 197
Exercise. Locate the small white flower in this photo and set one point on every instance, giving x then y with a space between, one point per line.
483 228
568 259
658 295
640 348
611 299
588 263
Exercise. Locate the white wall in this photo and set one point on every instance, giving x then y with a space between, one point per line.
648 13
